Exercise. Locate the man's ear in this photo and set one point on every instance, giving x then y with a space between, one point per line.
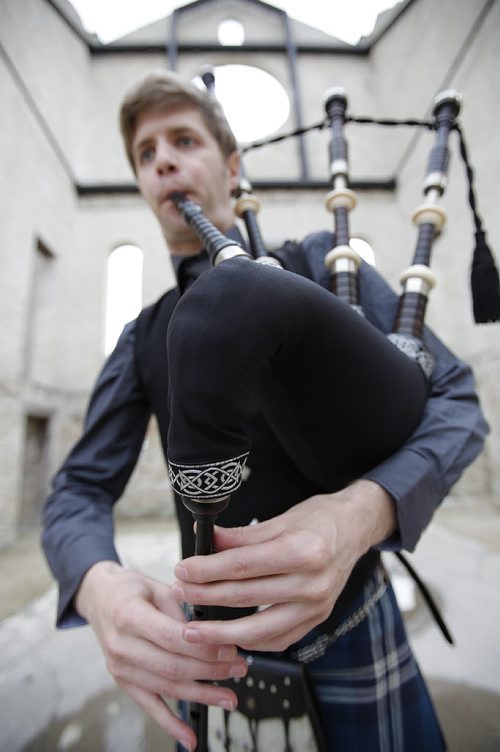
233 162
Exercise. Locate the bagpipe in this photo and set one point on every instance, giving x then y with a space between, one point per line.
248 335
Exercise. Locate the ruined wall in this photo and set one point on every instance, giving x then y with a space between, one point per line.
59 130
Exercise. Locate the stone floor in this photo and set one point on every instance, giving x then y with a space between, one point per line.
55 693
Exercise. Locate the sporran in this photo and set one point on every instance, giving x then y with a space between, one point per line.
276 711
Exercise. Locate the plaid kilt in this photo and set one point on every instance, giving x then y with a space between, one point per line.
370 692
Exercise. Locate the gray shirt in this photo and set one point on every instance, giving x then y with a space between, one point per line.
78 528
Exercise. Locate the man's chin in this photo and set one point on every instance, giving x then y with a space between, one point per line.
182 242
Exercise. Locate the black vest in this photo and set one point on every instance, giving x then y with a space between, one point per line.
273 484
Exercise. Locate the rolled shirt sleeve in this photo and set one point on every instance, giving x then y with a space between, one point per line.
78 514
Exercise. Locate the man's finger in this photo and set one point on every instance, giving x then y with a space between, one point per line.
191 691
255 632
287 553
134 655
259 591
144 621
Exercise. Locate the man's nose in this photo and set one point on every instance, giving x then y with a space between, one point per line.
166 157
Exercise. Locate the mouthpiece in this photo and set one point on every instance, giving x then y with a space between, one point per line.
218 247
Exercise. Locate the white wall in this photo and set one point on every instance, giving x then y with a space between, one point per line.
59 125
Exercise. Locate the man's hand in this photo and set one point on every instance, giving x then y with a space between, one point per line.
140 627
297 564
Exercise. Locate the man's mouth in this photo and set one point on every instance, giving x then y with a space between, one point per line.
167 198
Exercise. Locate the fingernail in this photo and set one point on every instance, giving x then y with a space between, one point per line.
226 705
186 745
226 654
177 591
238 671
181 572
192 635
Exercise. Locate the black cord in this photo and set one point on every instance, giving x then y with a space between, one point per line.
323 123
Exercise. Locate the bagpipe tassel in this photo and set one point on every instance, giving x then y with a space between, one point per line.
485 282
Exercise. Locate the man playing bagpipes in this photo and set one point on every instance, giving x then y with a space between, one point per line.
313 556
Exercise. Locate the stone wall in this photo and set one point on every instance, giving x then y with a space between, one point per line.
59 130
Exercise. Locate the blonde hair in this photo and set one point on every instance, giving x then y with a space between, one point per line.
164 90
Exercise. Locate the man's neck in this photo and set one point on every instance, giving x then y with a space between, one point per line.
189 244
186 248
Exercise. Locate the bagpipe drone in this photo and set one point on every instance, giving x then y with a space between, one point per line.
340 395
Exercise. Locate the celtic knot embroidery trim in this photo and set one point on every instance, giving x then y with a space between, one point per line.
207 481
415 349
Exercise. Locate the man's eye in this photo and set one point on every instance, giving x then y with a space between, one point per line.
146 155
186 141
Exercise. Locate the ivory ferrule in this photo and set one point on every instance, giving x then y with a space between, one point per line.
430 214
435 180
339 183
338 167
447 95
244 185
432 196
335 92
229 252
340 198
418 278
342 259
247 203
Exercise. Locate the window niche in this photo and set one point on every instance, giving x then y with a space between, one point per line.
123 291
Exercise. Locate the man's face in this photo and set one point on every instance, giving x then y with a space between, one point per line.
175 151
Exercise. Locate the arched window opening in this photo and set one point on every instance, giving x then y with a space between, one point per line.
231 33
254 102
123 291
364 249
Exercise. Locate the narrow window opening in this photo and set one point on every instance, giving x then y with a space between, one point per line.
39 307
364 249
35 474
123 291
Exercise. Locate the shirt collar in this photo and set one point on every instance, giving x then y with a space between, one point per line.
189 268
